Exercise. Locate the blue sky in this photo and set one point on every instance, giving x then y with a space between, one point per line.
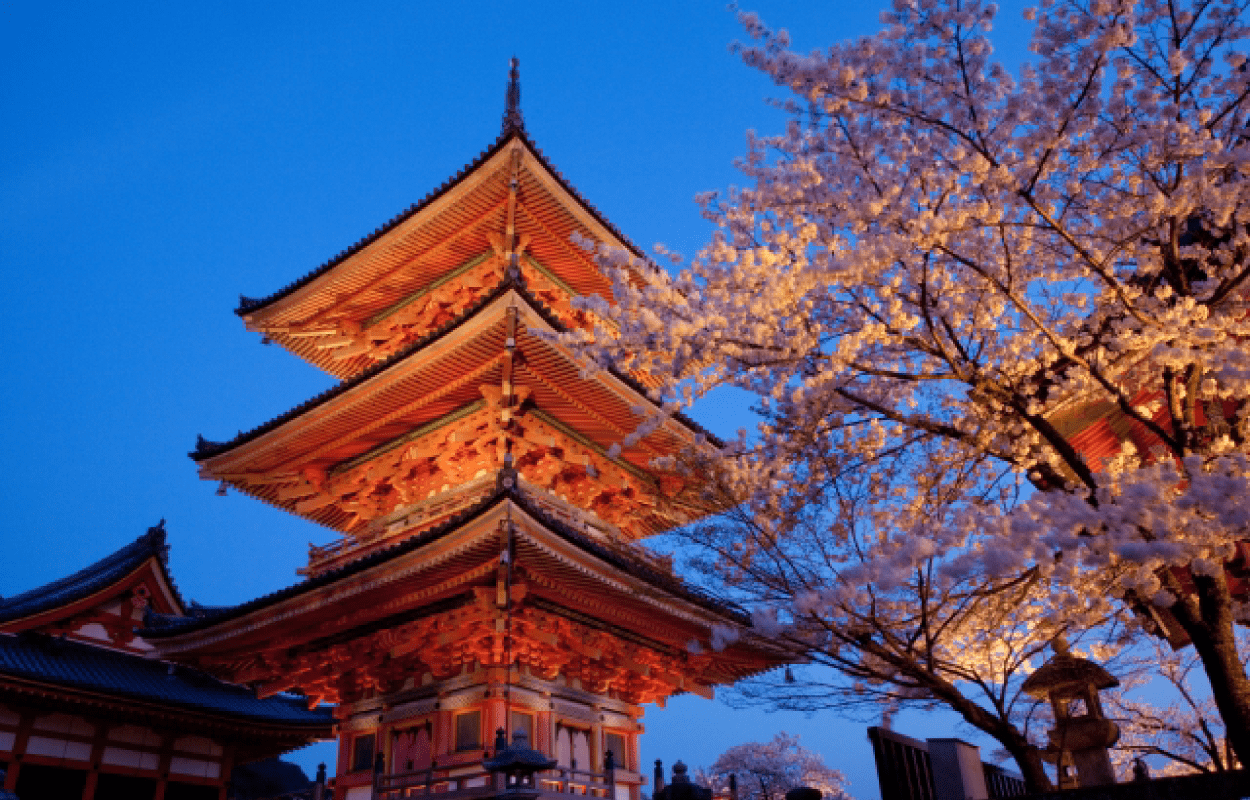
159 159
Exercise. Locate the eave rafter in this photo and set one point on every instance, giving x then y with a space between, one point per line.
469 443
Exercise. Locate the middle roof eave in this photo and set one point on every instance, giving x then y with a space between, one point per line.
206 450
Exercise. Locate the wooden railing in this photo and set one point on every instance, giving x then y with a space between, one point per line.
450 784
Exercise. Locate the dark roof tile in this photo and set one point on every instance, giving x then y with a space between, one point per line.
63 662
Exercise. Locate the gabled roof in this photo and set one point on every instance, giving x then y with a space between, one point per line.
159 626
95 578
43 659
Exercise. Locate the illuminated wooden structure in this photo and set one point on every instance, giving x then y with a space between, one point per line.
489 494
87 714
1100 430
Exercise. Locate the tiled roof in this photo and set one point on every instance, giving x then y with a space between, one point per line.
205 449
248 305
92 579
63 662
161 626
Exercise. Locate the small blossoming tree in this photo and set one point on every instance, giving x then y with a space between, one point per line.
767 770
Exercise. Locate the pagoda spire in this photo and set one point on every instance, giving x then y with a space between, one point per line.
512 120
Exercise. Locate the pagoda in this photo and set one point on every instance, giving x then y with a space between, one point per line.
489 491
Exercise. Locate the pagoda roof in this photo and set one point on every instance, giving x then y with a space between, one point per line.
583 606
206 448
321 461
392 286
66 664
93 583
159 626
248 305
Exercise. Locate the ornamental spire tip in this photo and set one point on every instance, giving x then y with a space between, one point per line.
512 120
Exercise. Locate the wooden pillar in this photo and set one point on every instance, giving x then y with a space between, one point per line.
162 770
93 770
444 737
382 744
345 761
493 711
543 734
596 741
227 767
25 723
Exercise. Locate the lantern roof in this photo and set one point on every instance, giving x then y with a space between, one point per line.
1065 671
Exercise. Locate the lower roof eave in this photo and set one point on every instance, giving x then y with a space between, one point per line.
256 727
184 638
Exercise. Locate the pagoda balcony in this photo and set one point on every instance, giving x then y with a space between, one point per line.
413 519
458 782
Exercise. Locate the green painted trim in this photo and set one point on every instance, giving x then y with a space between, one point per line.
533 262
424 290
415 433
582 440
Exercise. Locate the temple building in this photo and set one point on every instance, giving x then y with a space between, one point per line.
88 713
490 493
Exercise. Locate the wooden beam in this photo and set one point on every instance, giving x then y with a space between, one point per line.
424 290
399 441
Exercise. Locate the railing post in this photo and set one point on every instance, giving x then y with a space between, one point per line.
319 788
609 770
379 764
733 786
659 778
429 776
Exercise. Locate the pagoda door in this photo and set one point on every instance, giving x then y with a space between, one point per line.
564 747
581 749
410 750
573 748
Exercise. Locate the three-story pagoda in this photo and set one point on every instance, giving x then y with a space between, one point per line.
488 574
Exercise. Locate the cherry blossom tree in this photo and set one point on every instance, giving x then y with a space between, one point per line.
767 770
897 638
954 266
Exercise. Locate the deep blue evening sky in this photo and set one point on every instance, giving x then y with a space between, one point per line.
159 159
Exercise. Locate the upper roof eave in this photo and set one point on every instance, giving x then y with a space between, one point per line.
511 131
205 449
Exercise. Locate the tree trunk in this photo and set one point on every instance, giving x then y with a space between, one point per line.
1028 757
1032 769
1208 620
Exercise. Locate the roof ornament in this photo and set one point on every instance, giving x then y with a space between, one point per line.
512 120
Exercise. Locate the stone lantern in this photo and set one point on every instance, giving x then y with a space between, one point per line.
680 787
1082 733
518 763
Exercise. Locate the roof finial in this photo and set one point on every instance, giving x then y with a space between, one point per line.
512 120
